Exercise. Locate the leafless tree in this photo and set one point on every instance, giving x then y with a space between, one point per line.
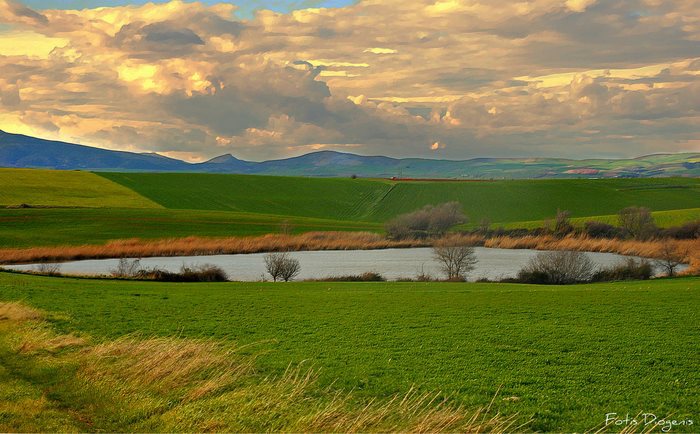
562 225
561 267
281 266
638 222
127 268
48 269
456 258
670 258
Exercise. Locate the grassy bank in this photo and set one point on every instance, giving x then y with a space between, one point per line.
565 355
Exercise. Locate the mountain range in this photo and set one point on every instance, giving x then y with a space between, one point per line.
20 151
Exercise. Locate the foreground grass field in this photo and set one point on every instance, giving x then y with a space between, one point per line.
564 355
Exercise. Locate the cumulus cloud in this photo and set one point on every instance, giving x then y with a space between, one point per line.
577 78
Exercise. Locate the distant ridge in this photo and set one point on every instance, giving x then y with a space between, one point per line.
21 151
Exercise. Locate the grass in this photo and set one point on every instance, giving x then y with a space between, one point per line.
664 219
87 208
71 226
380 200
330 198
565 355
66 189
186 385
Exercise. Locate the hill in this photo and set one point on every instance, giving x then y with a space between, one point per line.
28 152
380 200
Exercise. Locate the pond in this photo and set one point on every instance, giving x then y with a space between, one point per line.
391 263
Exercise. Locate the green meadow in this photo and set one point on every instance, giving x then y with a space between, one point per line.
563 356
73 208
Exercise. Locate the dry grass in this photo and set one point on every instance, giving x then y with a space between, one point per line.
14 311
207 246
647 249
185 385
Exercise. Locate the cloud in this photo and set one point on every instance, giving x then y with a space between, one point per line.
577 78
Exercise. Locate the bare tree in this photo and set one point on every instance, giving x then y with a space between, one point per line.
560 267
456 258
670 258
562 225
281 266
127 268
48 269
638 222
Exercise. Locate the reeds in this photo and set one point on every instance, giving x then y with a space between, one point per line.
137 248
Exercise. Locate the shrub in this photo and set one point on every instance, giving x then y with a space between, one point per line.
629 269
200 273
637 222
369 276
602 230
562 225
558 268
281 266
48 269
688 231
427 221
127 268
670 258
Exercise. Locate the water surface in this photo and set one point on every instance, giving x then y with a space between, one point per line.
391 263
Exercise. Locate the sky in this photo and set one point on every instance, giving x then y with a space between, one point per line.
268 79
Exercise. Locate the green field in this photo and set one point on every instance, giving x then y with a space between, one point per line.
569 354
74 208
379 200
65 189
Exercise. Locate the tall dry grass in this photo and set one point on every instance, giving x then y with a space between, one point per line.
184 385
207 246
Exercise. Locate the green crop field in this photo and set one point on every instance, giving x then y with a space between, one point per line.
65 189
73 208
565 356
66 226
379 200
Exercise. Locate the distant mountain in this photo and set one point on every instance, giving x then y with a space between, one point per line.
23 151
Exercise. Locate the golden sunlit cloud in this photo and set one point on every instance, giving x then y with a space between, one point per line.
392 77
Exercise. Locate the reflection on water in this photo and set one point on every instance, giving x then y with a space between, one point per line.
391 263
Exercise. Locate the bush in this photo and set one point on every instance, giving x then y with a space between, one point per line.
427 221
200 273
688 231
630 269
557 268
603 230
127 268
369 276
48 269
637 222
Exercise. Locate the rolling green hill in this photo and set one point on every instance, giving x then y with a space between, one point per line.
379 200
66 189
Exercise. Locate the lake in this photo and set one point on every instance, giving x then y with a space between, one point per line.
391 263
